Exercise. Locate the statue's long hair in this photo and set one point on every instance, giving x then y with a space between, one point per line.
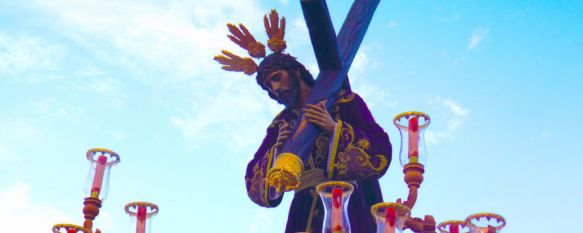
282 61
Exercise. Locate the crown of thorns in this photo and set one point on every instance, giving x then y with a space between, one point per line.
275 29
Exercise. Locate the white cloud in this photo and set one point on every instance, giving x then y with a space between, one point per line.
180 38
363 62
454 107
19 54
392 24
53 108
364 84
455 16
21 214
17 136
7 158
106 222
262 222
297 34
89 71
477 36
544 135
109 90
236 113
457 116
374 96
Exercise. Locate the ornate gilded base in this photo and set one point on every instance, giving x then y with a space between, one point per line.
90 211
285 173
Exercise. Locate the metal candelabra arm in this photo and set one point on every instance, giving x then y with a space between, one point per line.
413 178
418 225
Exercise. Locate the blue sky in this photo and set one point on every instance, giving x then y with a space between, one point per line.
501 80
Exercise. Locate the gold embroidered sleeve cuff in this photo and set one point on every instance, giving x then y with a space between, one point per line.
285 173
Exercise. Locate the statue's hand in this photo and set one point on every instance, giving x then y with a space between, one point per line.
318 114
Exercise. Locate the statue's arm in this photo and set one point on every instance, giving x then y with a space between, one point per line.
359 147
257 188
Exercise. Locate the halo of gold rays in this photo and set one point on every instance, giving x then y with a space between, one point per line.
275 29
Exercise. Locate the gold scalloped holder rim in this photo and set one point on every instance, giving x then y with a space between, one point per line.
442 225
68 226
347 188
153 208
115 159
408 115
402 210
488 216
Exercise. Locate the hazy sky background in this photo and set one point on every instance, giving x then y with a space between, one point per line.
502 81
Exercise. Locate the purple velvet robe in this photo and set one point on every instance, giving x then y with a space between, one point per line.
359 151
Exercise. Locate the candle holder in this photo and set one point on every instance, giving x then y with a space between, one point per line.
68 228
335 195
412 126
390 217
142 213
101 161
453 226
485 223
413 157
413 154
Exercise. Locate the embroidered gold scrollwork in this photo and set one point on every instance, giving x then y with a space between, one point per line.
355 157
344 97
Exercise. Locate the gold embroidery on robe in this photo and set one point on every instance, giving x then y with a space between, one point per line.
355 156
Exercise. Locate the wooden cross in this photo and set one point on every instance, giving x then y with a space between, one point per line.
334 56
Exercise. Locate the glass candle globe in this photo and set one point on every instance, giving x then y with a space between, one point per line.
412 126
141 215
101 161
335 196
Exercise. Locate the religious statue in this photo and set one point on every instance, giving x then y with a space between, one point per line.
348 144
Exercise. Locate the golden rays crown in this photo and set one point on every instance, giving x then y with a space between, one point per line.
275 29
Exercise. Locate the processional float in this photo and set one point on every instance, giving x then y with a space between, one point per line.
335 55
396 216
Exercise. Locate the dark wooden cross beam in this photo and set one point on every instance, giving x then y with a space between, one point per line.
334 56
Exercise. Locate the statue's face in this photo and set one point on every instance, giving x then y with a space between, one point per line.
283 86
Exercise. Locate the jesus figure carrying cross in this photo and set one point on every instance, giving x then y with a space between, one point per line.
325 130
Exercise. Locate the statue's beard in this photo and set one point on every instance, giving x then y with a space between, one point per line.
289 96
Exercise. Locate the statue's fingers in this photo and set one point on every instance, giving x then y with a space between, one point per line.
316 122
266 24
282 28
222 59
232 68
234 30
244 30
315 117
322 104
283 135
316 111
